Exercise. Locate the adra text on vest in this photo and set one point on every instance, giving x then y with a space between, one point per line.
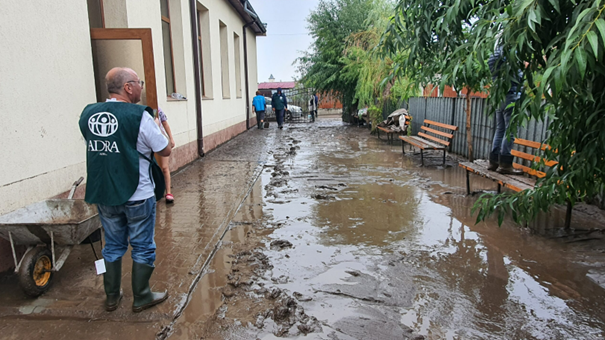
103 146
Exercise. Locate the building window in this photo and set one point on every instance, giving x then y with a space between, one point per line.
205 55
238 71
167 41
224 59
95 14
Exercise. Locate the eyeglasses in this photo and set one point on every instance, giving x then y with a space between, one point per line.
141 82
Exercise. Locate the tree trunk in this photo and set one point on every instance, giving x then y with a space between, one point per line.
469 136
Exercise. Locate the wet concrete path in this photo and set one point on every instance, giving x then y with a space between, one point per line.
322 231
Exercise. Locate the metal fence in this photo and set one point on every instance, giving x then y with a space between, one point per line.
483 123
298 105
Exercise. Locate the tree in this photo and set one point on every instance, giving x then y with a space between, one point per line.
371 70
562 41
441 48
343 58
331 24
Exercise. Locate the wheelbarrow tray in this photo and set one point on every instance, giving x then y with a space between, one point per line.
70 222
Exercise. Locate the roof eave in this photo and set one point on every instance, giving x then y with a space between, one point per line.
255 23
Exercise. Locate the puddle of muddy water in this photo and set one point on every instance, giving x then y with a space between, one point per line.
383 249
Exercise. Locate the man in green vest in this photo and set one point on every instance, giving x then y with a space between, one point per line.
118 134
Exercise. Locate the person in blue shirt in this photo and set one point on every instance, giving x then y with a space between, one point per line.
258 104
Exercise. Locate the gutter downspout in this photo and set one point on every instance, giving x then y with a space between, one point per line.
246 74
198 82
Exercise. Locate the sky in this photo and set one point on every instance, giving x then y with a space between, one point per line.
287 36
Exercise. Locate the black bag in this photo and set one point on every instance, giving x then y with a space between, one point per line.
156 174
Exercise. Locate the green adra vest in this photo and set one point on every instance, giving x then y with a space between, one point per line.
111 130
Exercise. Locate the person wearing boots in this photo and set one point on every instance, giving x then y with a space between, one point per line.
258 105
279 103
500 158
121 137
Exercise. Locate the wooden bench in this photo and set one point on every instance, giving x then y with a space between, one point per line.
388 131
438 140
514 182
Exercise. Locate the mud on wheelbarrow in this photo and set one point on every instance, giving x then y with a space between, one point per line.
46 228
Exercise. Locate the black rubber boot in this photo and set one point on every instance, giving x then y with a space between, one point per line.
493 161
142 294
506 166
112 280
261 125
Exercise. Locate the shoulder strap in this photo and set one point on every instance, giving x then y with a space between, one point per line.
147 158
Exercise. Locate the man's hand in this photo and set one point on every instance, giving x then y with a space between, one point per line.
273 109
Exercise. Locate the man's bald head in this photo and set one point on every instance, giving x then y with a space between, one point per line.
117 77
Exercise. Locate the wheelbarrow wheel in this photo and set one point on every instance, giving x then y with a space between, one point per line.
35 275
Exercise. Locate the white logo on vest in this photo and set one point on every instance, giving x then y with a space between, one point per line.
103 124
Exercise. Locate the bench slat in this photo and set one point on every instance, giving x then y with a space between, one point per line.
513 182
531 144
529 170
437 132
531 158
426 144
445 126
387 130
438 140
413 141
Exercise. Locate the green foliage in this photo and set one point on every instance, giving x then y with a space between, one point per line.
562 42
331 24
375 115
343 57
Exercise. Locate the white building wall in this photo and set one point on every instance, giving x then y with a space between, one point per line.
220 113
180 113
47 71
46 80
252 67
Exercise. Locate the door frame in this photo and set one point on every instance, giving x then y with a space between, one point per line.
144 35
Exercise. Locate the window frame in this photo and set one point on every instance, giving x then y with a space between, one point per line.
167 20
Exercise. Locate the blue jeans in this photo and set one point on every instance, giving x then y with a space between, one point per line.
279 115
134 222
502 144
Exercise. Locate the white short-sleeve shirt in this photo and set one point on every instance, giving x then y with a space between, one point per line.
150 139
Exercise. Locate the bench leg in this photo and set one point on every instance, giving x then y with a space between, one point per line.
421 157
443 156
468 184
499 187
568 216
403 147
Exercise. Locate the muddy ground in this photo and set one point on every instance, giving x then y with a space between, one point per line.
322 231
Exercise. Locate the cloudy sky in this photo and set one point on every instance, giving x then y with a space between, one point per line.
287 35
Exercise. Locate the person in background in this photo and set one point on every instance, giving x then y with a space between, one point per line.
164 162
312 108
279 103
120 137
258 105
500 158
316 103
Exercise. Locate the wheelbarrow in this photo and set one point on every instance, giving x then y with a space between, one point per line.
47 228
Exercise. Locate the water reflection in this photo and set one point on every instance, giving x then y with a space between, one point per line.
368 214
486 282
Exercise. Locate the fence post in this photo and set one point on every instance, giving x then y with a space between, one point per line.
469 137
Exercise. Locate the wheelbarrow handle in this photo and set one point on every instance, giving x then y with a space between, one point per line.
73 187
